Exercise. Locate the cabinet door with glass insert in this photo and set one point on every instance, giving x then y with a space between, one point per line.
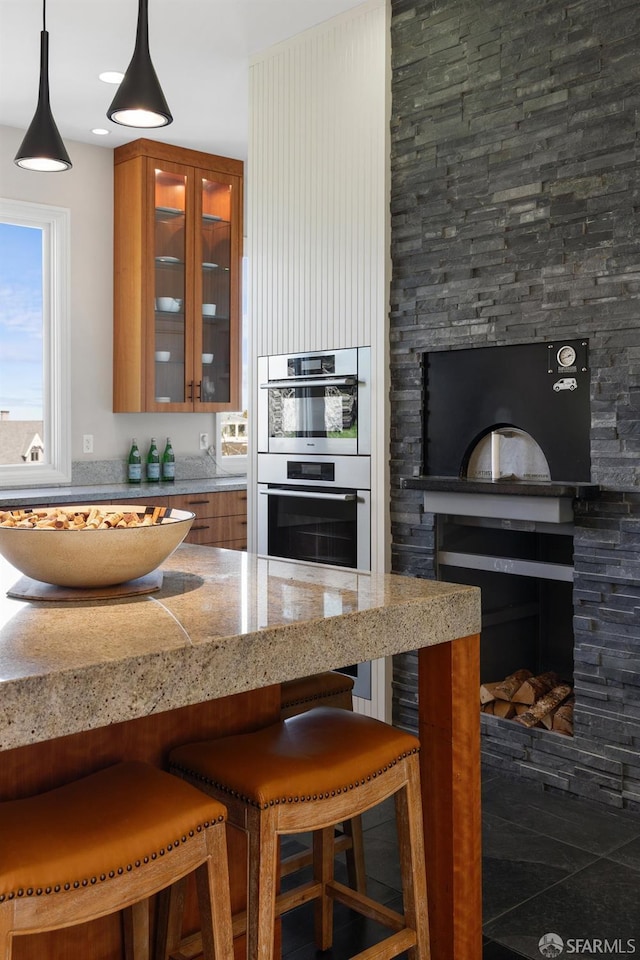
177 260
172 348
214 331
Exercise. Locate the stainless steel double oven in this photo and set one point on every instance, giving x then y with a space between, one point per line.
316 403
314 461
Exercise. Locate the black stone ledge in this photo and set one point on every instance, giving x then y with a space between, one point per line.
551 488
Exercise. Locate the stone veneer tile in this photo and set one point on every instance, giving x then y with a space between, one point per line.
514 184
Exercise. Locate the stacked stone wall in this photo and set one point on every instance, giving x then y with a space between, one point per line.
515 188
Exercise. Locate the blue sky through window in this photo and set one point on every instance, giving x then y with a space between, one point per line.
21 361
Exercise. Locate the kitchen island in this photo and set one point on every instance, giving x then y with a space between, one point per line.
86 683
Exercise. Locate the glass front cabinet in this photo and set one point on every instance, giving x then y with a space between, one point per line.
177 266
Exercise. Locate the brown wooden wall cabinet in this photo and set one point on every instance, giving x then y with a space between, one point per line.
177 277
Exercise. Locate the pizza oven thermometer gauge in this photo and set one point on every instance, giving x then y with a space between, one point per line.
566 356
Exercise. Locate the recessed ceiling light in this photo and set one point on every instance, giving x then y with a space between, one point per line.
100 132
110 76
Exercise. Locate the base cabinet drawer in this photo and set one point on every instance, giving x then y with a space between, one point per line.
148 501
225 504
221 518
216 530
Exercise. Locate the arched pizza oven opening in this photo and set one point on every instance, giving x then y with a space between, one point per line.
504 452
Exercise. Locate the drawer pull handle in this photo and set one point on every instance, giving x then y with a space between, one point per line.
199 526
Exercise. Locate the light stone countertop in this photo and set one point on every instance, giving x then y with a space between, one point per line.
13 497
223 622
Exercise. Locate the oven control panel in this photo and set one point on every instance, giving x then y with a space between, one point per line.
320 471
347 472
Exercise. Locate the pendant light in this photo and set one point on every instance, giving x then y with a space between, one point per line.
42 147
139 101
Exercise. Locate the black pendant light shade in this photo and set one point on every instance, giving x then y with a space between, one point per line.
139 100
42 147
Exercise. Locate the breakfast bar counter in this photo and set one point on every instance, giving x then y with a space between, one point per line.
84 683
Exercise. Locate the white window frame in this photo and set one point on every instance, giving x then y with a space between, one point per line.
235 466
56 346
232 466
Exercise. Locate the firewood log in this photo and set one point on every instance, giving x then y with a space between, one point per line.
563 718
504 709
507 687
536 687
545 705
486 691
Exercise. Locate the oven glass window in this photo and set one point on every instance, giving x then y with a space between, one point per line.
313 411
309 528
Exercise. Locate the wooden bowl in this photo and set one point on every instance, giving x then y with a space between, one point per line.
94 558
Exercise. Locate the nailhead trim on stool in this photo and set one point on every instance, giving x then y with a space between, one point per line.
200 779
106 843
308 773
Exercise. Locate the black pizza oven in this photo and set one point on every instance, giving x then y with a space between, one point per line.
506 457
540 388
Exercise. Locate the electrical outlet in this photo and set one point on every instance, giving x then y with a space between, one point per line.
87 443
204 441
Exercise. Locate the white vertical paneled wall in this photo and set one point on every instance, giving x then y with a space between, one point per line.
317 215
317 186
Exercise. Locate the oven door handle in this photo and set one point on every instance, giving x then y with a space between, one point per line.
319 381
344 497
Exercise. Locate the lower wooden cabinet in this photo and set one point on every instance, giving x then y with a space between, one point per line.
221 518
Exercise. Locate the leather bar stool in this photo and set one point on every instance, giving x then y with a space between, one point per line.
327 689
107 843
307 774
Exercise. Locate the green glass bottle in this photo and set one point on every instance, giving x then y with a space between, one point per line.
168 463
134 464
153 463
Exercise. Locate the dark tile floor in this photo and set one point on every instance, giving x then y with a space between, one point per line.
551 864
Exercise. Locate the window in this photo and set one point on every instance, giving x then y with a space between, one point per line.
233 434
233 428
35 434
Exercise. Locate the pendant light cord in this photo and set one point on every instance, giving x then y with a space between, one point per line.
44 16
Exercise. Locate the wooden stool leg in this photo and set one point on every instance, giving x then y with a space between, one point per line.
264 870
411 850
214 900
6 924
135 920
355 855
170 910
323 857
